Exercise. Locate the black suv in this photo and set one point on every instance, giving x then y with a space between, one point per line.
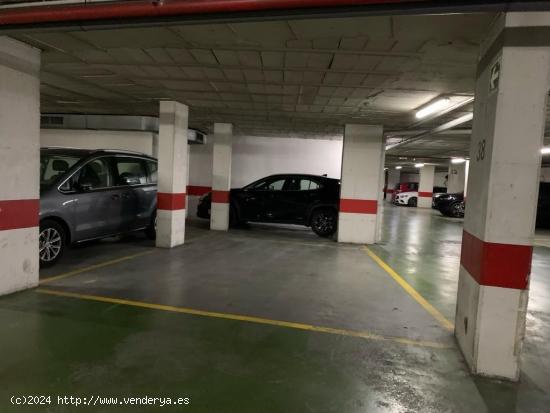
308 200
90 194
453 205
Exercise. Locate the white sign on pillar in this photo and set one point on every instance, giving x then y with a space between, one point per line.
426 186
172 174
502 200
360 183
221 176
20 165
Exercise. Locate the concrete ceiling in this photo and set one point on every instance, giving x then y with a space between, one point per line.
303 78
272 77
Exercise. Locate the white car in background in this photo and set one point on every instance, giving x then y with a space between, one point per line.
410 198
407 198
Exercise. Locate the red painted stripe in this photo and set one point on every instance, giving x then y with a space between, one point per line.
425 194
170 202
19 213
359 206
194 190
220 197
149 9
496 265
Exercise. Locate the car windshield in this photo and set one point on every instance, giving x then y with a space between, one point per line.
52 166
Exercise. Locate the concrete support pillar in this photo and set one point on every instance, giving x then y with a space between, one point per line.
394 177
426 186
360 188
221 176
456 181
380 207
19 165
172 174
509 118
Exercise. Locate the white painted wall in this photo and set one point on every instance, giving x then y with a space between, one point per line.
256 157
439 178
98 139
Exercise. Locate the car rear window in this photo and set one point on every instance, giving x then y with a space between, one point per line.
53 166
130 171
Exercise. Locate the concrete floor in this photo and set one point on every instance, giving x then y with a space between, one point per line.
264 319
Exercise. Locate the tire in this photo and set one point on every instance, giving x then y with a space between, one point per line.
151 231
233 220
413 202
324 222
52 242
456 210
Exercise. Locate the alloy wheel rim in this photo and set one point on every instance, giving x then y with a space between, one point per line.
50 244
458 209
324 223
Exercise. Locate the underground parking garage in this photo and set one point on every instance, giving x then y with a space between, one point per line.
322 206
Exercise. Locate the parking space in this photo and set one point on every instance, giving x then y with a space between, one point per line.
322 323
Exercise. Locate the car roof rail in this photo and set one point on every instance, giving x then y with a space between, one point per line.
121 151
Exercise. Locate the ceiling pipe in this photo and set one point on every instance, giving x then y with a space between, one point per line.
441 128
166 8
138 10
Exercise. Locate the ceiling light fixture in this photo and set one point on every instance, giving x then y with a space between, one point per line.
545 150
458 160
433 107
418 165
398 167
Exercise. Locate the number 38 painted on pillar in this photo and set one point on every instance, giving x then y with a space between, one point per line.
480 150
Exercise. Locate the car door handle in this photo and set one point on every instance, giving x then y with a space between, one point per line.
115 197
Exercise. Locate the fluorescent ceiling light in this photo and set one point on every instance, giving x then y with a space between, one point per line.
398 167
418 165
432 108
458 160
545 150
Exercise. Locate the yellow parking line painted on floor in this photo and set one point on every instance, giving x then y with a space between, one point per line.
94 267
411 291
249 319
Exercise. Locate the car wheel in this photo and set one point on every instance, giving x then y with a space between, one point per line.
412 202
323 222
457 210
51 243
151 231
233 220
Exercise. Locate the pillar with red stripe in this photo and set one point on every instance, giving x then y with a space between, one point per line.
426 186
360 187
221 176
172 174
20 165
508 129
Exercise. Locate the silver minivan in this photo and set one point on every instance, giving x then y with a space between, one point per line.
91 194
